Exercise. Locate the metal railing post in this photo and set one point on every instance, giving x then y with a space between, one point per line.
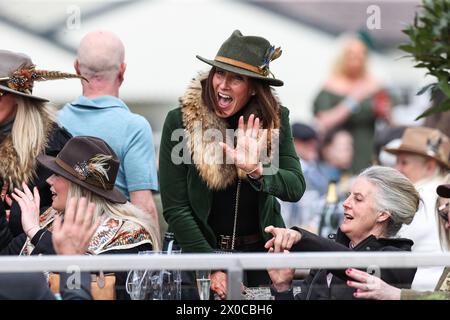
234 280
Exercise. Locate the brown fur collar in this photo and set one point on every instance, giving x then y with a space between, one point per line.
206 153
11 171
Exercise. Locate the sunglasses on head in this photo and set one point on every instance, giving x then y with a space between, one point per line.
443 211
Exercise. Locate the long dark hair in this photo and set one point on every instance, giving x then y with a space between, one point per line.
268 107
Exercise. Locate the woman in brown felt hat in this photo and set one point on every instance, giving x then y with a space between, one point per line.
216 194
27 128
85 169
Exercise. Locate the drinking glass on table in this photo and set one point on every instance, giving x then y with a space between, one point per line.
139 282
203 278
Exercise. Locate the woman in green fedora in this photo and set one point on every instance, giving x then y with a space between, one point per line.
226 155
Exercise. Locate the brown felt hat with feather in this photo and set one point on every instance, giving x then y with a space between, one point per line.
18 73
89 162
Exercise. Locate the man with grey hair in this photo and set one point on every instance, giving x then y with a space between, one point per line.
100 113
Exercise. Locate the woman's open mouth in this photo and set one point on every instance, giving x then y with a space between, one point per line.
224 101
347 216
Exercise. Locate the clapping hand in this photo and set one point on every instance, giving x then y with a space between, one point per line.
29 205
74 235
246 155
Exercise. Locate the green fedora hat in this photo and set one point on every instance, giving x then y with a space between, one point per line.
247 55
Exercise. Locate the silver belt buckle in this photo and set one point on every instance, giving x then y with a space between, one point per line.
225 242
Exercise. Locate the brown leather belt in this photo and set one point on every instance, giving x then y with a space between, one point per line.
225 240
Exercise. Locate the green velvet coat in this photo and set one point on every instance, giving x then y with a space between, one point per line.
187 187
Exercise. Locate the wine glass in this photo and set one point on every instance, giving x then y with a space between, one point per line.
203 278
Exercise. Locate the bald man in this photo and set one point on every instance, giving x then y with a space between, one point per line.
100 113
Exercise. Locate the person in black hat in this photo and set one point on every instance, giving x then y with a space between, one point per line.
27 129
85 168
305 141
218 195
301 212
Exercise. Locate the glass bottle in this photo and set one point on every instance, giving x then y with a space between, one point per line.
330 216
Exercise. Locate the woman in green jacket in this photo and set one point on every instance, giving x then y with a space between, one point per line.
219 185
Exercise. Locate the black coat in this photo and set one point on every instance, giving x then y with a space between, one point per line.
34 286
315 287
58 138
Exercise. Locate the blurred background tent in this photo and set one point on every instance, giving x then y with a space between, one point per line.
162 38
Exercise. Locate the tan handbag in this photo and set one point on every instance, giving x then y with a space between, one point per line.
103 286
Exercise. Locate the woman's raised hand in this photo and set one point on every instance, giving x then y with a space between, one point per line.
246 155
74 235
29 205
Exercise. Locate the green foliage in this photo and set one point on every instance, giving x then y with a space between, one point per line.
430 47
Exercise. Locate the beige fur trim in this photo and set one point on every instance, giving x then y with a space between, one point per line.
10 169
205 153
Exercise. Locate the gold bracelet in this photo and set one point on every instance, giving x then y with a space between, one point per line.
250 172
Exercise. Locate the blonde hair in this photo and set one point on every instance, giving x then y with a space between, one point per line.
339 63
444 234
125 211
29 131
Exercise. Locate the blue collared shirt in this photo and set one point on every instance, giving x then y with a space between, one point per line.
128 134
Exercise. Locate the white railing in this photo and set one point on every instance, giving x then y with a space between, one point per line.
233 263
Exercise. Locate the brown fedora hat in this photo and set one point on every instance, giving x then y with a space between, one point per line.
89 162
427 142
18 73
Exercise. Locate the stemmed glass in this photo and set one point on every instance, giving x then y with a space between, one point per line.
203 278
